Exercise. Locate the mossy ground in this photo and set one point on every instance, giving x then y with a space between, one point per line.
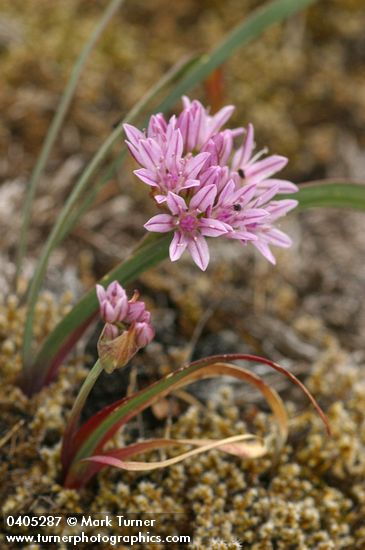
302 87
309 496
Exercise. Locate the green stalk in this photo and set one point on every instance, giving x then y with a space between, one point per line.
75 414
55 128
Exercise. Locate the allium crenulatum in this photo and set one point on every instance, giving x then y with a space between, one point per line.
208 187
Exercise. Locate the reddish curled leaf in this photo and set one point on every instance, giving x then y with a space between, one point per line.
232 445
124 410
142 400
92 437
114 457
93 445
275 366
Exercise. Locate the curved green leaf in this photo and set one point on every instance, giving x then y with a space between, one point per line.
331 194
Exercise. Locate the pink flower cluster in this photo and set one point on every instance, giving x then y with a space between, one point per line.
118 312
206 186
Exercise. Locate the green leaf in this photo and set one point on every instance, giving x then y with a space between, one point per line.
330 194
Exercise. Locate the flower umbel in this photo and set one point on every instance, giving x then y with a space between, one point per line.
206 187
127 326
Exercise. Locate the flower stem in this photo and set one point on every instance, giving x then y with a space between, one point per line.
78 405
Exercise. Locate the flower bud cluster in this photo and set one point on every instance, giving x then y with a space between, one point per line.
121 314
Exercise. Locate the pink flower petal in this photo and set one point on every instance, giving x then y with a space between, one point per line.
265 251
277 209
101 293
198 125
195 164
175 203
144 334
219 119
174 150
210 176
227 195
241 235
157 125
226 149
186 101
259 171
133 134
245 194
183 123
136 311
150 153
147 176
199 251
278 238
244 153
254 215
134 152
204 198
237 132
177 246
160 198
267 195
210 227
284 186
110 331
162 223
190 183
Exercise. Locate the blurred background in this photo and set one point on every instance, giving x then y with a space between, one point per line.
302 83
